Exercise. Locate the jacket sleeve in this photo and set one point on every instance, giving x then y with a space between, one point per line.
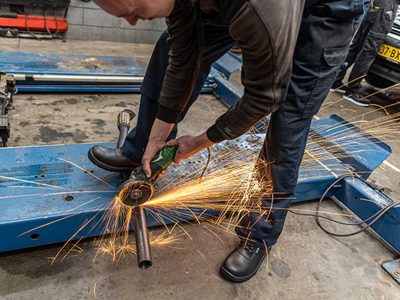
183 64
267 42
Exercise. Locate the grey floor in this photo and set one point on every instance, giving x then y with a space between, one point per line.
305 264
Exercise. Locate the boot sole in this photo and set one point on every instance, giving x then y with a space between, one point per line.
340 91
104 166
355 102
236 279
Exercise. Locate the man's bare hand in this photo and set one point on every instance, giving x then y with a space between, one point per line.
159 134
189 145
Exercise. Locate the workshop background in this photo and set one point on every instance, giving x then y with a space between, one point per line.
305 264
86 21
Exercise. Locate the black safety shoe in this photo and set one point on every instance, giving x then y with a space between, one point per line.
242 263
356 98
111 159
339 87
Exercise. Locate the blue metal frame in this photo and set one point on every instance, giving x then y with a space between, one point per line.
228 64
86 65
26 205
67 64
226 92
338 138
364 201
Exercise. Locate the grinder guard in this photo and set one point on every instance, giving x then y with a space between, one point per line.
138 188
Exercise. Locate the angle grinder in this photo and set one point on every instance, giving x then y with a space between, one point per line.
138 188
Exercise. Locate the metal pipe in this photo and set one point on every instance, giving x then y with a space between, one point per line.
124 119
144 258
79 78
123 132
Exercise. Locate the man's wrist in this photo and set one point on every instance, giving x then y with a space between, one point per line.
205 141
214 135
167 114
160 130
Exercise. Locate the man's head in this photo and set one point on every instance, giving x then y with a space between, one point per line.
133 10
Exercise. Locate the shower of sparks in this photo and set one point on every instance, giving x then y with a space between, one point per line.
94 290
229 189
234 191
118 250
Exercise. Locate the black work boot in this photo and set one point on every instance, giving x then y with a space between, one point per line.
242 263
111 159
356 98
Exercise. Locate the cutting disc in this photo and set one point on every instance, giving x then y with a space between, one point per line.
133 193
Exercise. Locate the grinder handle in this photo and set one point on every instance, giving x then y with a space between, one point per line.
162 161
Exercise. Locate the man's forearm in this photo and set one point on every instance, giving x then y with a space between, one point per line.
240 118
161 130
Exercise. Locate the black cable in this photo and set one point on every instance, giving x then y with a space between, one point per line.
382 212
330 219
374 218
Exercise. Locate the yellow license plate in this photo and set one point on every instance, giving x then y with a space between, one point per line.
389 52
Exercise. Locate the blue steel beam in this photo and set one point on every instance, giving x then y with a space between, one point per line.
39 186
31 64
226 92
48 189
364 201
67 64
228 64
356 149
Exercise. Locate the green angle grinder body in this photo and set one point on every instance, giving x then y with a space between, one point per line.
138 188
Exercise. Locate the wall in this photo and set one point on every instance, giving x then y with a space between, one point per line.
88 22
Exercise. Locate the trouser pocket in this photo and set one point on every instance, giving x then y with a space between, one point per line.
331 60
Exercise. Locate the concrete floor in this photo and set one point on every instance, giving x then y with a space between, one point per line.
305 264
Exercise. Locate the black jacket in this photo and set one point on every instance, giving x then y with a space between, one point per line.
265 30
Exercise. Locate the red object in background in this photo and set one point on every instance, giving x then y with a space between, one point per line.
37 23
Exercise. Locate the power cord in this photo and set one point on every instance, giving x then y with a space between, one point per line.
206 165
374 218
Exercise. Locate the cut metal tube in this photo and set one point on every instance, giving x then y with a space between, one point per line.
139 217
144 258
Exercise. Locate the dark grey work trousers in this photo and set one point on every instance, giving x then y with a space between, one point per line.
367 41
321 49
